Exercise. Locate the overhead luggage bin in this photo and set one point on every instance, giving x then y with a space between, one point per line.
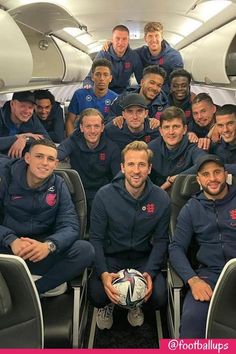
77 63
48 63
16 62
212 59
54 61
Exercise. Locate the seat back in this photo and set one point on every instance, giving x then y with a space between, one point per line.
75 186
183 188
21 322
222 310
63 315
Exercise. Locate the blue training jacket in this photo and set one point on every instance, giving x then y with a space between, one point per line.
122 69
155 107
185 105
169 59
54 124
201 132
212 225
8 129
227 152
168 162
96 167
121 223
46 212
124 136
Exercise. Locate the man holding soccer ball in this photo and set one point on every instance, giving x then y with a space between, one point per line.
129 229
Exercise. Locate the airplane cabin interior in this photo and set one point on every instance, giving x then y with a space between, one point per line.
51 45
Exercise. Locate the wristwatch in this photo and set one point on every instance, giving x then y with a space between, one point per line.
51 246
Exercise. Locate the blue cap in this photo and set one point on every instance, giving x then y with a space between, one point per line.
209 158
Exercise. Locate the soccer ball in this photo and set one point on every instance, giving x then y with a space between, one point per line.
132 288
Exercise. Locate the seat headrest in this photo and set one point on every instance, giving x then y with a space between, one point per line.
189 186
67 180
5 297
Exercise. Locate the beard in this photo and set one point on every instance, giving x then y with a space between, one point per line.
217 192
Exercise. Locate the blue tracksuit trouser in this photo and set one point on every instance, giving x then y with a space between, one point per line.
59 268
97 293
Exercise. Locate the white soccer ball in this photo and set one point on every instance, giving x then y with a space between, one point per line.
132 288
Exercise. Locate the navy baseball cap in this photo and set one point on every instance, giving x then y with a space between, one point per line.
209 158
24 96
134 99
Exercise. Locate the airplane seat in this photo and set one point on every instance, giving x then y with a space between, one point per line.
65 316
21 320
183 188
222 310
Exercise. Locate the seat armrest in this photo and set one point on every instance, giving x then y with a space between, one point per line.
81 279
76 282
174 278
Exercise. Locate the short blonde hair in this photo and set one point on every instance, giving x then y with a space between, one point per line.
88 112
153 27
137 146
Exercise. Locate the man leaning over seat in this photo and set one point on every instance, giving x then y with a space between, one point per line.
39 223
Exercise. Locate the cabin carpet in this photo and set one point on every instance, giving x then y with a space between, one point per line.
123 335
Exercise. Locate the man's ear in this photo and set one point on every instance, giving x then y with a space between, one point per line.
150 169
122 168
27 157
198 181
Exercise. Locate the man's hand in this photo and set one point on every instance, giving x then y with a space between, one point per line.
214 134
168 183
30 135
192 137
201 290
18 245
154 123
112 293
106 45
17 147
34 136
118 121
149 286
35 251
204 143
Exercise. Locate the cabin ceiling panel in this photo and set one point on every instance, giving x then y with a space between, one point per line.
100 16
